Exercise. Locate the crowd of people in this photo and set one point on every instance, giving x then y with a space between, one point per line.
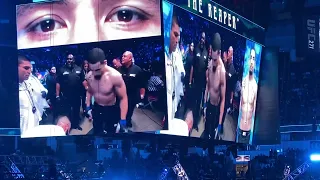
299 97
145 163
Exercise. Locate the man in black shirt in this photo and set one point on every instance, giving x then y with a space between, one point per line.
230 78
70 81
135 83
198 75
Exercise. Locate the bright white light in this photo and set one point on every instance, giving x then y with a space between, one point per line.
315 157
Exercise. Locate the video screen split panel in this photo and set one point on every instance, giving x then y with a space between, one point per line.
90 67
103 67
54 23
212 74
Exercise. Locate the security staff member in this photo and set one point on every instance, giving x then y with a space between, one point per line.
198 75
230 78
135 83
230 81
70 81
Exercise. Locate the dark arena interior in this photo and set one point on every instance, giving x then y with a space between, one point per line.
156 136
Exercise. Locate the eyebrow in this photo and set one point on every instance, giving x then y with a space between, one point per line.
26 8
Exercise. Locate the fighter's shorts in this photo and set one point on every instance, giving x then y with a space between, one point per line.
243 136
213 114
105 119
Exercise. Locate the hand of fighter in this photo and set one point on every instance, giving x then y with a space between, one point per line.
43 94
123 123
204 111
58 99
219 128
89 113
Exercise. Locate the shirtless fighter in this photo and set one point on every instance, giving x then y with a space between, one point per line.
215 90
248 101
105 84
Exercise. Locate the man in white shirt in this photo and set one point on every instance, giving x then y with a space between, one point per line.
174 70
61 129
39 91
174 78
29 114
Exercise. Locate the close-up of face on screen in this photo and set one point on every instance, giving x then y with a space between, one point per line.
79 21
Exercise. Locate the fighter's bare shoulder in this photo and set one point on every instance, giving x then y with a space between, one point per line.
113 72
222 72
115 76
222 69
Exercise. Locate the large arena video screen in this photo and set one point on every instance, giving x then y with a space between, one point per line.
90 67
63 22
212 71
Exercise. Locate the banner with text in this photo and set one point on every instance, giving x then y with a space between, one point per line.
224 17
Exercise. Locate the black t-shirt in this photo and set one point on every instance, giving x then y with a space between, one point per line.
134 80
189 63
51 85
70 80
200 64
230 79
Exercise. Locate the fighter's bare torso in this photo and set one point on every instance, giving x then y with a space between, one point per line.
214 84
249 93
103 90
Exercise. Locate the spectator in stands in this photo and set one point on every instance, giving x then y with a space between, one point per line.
117 64
155 83
85 71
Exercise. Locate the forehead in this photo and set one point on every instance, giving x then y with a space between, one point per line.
25 63
175 27
126 54
70 56
95 66
215 54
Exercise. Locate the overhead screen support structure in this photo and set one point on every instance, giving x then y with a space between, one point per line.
297 172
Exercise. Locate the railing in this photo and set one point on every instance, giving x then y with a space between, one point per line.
297 172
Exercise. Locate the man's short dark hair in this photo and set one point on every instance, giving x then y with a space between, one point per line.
22 58
96 55
216 42
175 19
